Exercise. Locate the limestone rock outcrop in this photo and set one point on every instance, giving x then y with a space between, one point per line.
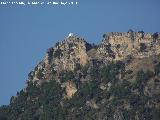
117 46
74 52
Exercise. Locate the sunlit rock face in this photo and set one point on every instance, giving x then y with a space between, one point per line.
117 46
69 53
70 89
74 52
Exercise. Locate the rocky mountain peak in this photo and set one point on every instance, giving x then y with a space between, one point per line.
68 54
118 45
115 80
74 52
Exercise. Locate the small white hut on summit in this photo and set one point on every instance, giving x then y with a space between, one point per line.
70 35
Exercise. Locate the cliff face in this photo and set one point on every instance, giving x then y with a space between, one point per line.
74 51
117 46
119 79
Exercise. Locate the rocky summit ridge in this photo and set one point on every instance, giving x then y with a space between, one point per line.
118 79
74 51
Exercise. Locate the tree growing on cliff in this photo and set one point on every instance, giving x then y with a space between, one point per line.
157 69
142 34
143 47
155 35
66 75
58 53
131 32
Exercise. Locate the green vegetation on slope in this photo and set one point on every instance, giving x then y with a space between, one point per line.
119 100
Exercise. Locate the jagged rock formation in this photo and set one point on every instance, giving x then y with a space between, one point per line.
74 51
66 55
70 89
117 46
119 79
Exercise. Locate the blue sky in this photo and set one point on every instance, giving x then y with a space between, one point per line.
27 31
